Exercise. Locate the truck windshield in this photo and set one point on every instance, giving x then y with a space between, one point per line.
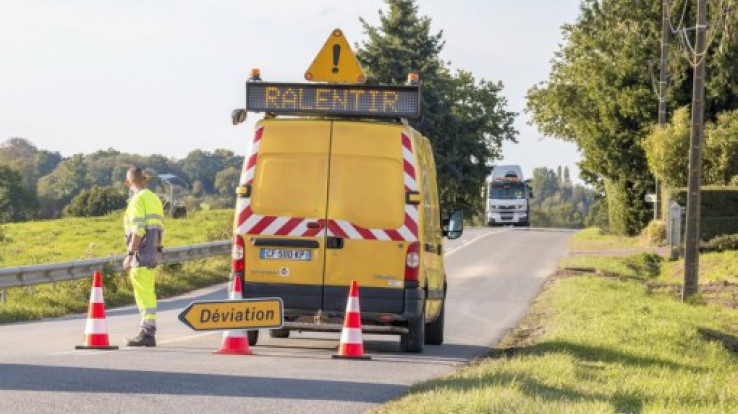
507 191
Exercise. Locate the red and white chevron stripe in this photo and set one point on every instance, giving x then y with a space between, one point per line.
248 222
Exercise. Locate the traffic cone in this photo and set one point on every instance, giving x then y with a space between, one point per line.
96 330
235 342
352 344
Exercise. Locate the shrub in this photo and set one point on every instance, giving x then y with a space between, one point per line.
655 233
646 264
718 213
97 201
720 243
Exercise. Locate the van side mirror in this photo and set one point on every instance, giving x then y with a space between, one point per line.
238 116
453 225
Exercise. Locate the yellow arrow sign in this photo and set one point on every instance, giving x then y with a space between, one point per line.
234 314
336 62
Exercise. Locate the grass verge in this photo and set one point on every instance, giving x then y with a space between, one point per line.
593 344
76 238
593 239
64 298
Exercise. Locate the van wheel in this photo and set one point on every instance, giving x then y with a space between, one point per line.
279 333
253 337
434 330
414 339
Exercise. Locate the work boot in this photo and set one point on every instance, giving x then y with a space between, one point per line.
143 339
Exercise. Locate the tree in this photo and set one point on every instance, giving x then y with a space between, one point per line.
721 149
66 181
28 160
466 120
96 201
16 202
202 166
226 181
599 93
557 202
667 149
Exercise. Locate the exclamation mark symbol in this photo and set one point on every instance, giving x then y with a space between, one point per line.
336 56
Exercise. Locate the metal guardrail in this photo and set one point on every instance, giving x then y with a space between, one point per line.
57 272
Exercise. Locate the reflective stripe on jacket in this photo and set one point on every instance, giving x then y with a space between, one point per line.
145 217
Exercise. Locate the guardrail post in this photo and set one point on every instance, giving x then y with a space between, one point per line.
3 296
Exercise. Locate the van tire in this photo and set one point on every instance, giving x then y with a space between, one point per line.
253 337
279 333
434 330
414 339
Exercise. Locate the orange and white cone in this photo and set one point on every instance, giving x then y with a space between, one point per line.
96 330
352 343
235 342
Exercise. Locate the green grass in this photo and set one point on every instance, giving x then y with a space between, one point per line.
52 241
593 239
714 267
641 265
76 238
598 345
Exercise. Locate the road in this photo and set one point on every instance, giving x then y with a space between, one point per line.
493 276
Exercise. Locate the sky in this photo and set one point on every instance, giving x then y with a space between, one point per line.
162 76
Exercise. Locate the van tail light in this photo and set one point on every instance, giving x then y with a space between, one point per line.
237 257
412 261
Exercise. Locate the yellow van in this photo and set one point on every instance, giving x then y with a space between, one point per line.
325 200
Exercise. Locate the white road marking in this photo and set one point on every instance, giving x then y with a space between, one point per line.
88 352
468 242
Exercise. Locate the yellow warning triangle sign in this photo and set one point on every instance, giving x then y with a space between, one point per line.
336 62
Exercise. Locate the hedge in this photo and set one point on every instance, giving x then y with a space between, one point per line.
719 209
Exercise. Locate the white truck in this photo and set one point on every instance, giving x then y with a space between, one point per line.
507 197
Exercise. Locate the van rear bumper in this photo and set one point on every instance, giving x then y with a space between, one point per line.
380 306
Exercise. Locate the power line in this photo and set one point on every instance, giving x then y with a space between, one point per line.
675 30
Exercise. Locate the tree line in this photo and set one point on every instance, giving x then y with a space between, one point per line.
40 184
558 202
600 95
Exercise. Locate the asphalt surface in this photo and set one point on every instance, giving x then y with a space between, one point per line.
493 276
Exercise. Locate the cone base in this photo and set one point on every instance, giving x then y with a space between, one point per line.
229 352
104 348
359 357
234 345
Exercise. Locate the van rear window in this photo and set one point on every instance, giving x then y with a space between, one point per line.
367 191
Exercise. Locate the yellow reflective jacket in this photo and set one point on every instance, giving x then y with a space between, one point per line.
144 216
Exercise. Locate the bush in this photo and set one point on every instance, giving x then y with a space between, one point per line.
655 233
720 243
97 201
647 265
718 212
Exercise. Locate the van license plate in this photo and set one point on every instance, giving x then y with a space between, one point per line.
285 254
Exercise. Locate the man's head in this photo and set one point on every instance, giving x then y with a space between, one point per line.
135 177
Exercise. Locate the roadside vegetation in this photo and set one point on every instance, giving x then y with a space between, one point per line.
604 337
76 238
68 239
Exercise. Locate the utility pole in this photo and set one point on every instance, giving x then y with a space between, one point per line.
663 83
692 254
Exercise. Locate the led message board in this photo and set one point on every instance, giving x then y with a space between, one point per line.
330 99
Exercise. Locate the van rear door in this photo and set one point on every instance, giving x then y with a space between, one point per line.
369 227
283 222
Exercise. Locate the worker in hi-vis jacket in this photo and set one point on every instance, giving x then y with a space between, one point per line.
144 227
